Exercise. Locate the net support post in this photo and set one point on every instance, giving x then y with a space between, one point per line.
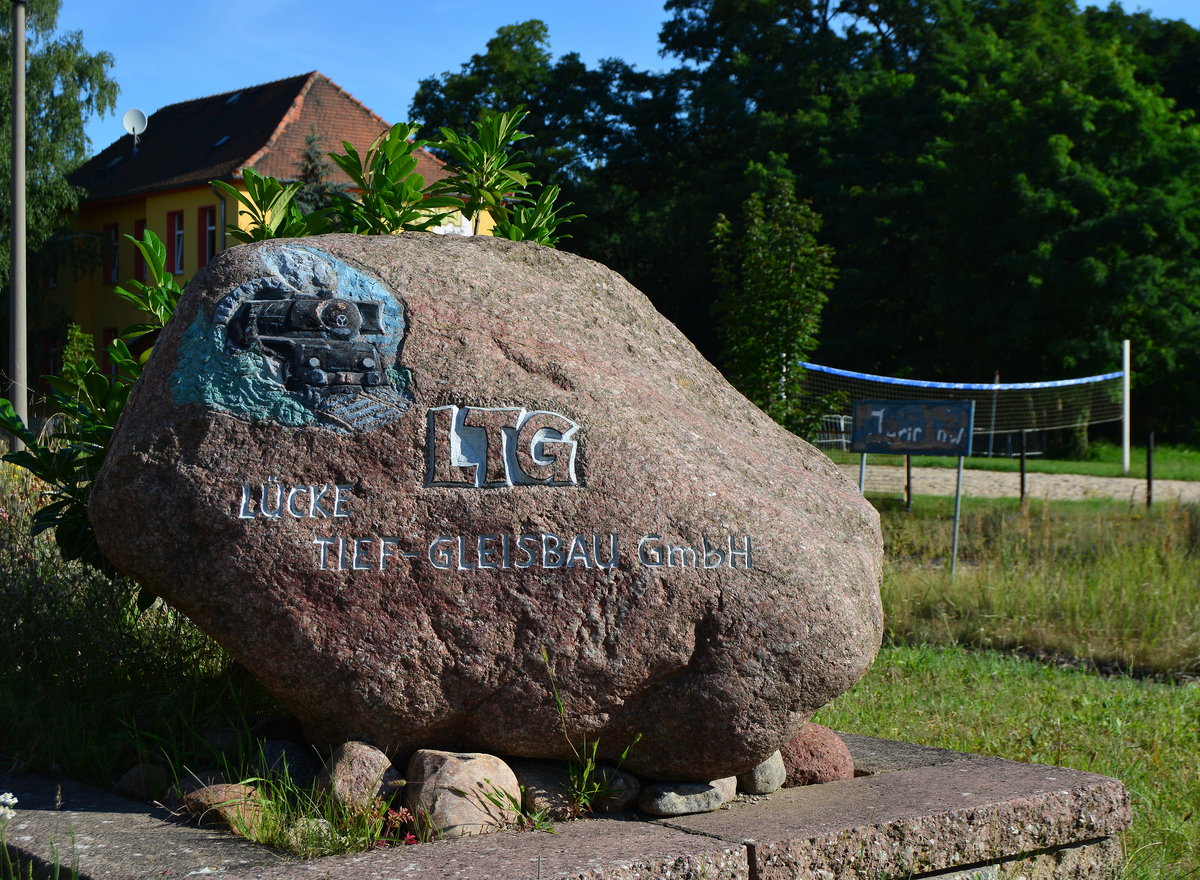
908 490
1024 447
1125 406
862 473
957 516
1150 471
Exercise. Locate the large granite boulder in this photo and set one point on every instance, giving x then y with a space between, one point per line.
416 483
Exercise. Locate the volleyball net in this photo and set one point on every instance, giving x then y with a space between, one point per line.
999 408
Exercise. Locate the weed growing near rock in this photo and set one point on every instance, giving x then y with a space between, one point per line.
294 817
589 780
508 805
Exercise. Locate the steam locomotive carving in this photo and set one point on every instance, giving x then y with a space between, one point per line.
329 352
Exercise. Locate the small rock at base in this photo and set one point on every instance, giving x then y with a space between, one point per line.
225 742
681 798
235 805
174 800
727 786
275 756
765 778
816 754
358 775
144 782
307 833
461 793
545 785
620 793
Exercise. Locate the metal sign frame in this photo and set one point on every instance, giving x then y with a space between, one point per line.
916 427
913 427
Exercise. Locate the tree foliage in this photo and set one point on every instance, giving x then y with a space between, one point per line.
1165 53
64 86
773 279
68 454
575 115
1011 186
316 190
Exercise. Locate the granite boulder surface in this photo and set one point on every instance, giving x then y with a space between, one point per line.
426 487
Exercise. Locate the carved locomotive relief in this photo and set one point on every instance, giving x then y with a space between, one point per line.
333 353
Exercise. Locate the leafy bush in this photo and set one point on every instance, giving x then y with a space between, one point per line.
393 197
272 209
537 220
487 177
69 453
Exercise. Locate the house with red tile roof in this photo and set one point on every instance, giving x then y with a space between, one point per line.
161 181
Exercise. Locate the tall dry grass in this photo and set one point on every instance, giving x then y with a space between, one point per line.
1100 581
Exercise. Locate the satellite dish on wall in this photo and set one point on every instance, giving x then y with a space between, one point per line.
134 122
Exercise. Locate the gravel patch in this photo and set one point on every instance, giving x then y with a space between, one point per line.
994 484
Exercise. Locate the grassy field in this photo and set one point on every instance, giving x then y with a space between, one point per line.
1170 462
1099 580
1083 586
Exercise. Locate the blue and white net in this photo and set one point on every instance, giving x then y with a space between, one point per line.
999 408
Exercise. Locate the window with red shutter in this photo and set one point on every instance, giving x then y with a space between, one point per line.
175 242
206 234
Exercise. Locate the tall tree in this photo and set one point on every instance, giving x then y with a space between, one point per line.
1006 185
1165 53
64 86
314 171
774 279
1001 189
575 113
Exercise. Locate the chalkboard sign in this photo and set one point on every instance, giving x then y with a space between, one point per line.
913 427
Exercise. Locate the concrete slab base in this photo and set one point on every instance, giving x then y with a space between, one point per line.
916 812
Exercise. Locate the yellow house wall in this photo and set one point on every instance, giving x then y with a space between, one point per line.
89 301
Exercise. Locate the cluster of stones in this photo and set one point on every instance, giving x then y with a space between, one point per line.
455 794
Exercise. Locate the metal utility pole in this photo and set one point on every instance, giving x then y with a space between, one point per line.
18 390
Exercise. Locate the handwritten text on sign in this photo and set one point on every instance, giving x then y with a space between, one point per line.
913 427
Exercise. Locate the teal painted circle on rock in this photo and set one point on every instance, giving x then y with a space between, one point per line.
312 341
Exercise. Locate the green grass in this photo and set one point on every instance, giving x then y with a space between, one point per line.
1170 462
90 686
1146 734
1099 580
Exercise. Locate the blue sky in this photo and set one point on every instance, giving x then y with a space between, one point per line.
375 49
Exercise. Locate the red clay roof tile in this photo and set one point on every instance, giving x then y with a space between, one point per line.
214 138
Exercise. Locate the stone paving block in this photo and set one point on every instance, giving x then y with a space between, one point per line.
591 849
873 755
976 818
910 822
112 838
1102 860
